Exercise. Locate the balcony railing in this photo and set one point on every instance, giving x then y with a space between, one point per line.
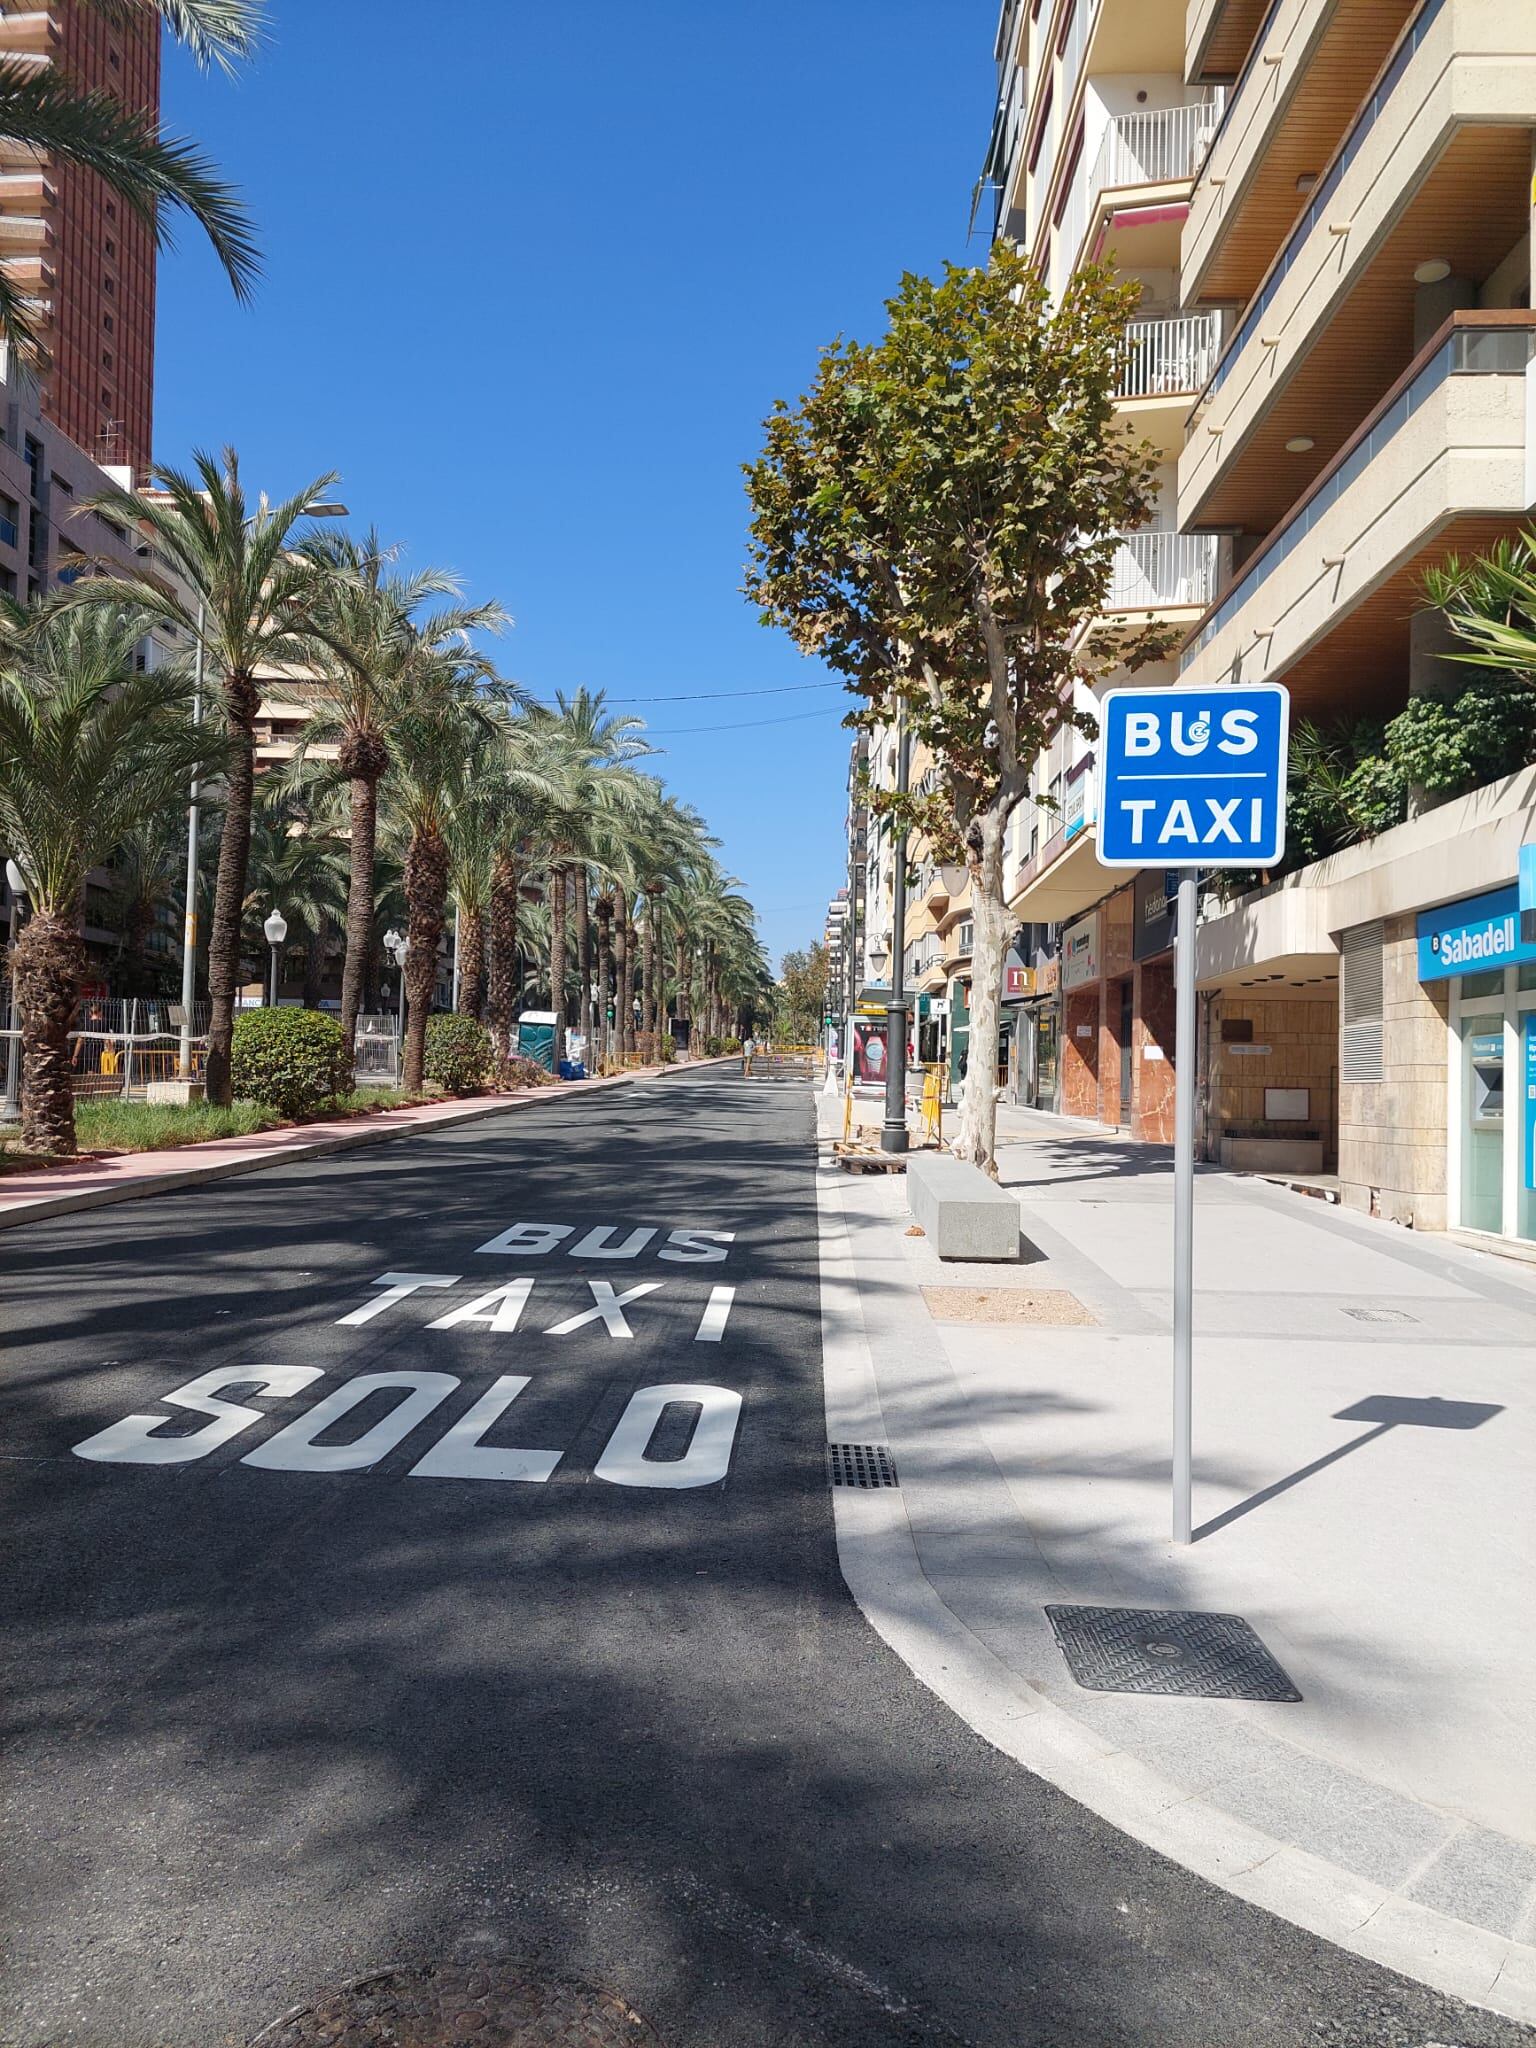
1490 344
1166 358
1157 147
1152 571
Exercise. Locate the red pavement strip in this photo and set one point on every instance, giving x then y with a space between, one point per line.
92 1183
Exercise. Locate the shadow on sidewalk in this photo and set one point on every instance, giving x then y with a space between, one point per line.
1386 1412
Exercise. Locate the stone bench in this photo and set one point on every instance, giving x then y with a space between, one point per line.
963 1214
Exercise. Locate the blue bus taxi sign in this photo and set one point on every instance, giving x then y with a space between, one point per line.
1193 777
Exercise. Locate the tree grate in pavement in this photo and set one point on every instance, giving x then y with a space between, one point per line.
1380 1315
1177 1655
864 1465
461 2006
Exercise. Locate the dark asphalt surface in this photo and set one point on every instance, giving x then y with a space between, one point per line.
269 1729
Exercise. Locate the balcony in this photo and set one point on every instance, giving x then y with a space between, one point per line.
1300 86
1439 467
1163 364
1157 572
1435 169
1140 155
1219 36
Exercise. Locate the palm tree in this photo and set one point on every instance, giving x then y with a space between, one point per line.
147 876
299 867
445 745
249 604
370 642
590 749
90 747
156 175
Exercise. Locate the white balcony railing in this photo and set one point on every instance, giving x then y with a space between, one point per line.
1164 145
1154 570
1168 357
1160 146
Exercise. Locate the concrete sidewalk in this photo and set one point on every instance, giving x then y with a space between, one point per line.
1378 1537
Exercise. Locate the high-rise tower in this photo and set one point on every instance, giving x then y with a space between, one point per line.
81 252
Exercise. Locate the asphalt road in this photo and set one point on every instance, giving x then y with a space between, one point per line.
275 1724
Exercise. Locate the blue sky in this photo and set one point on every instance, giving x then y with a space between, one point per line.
534 275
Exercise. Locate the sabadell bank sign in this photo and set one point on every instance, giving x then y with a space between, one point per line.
1477 933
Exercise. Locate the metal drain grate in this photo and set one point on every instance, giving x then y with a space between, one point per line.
1380 1315
1178 1655
861 1465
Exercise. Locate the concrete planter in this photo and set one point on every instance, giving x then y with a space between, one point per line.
174 1091
1273 1155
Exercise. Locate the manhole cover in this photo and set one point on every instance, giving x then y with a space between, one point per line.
860 1465
461 2006
1041 1305
1380 1315
1180 1655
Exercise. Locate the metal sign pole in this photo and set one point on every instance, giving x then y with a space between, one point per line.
1184 1203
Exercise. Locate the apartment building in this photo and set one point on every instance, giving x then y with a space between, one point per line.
1347 364
1101 130
85 260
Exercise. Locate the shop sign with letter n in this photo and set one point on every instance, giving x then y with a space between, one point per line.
1193 778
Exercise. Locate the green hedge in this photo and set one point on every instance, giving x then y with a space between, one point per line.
458 1056
288 1060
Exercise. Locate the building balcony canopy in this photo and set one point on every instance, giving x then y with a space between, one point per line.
1064 878
1437 168
1439 467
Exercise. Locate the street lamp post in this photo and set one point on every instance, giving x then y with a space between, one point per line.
276 929
10 1108
397 945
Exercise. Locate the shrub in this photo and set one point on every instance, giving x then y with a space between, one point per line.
517 1071
288 1060
458 1054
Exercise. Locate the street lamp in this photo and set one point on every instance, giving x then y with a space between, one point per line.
397 945
10 1108
276 929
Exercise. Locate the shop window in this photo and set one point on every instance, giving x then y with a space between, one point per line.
1489 984
1360 1055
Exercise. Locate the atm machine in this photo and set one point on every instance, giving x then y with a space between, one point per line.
1485 1060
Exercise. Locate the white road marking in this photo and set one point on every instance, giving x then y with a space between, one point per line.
294 1449
499 1310
527 1240
133 1442
460 1455
708 1457
610 1307
712 1323
595 1244
396 1288
697 1247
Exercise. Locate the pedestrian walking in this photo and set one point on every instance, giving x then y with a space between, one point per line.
748 1047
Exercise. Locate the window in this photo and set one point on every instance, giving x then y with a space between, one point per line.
1360 1052
107 323
109 287
61 483
10 512
111 209
111 246
106 359
8 582
1042 129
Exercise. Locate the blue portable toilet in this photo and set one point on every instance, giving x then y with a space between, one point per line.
536 1037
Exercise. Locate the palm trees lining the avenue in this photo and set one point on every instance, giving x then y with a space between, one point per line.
423 789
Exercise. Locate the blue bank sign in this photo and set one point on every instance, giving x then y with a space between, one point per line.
1193 778
1471 936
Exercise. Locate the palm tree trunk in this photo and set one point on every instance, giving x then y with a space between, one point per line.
501 976
584 958
556 894
604 977
47 965
469 936
623 979
364 766
681 969
241 703
426 897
